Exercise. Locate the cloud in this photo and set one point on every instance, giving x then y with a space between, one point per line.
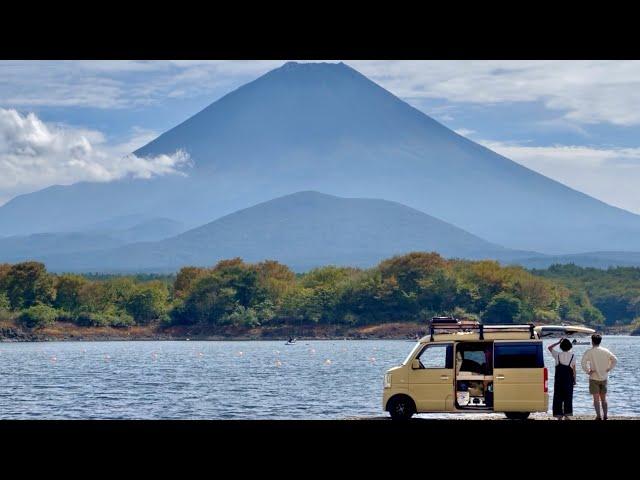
118 84
34 154
585 92
609 174
582 92
465 132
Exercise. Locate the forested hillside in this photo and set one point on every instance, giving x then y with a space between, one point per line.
407 288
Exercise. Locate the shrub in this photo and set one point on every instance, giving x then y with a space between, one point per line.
636 326
4 302
105 319
38 316
546 316
241 316
592 316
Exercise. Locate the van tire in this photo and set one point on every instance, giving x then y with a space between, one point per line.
517 415
401 408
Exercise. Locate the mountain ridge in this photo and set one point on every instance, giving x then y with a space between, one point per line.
326 127
304 230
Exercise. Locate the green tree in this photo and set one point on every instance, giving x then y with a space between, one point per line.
242 278
208 301
27 284
68 292
503 308
185 280
147 302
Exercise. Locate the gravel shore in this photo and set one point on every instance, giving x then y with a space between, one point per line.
492 416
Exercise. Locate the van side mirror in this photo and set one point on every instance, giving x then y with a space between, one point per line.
416 364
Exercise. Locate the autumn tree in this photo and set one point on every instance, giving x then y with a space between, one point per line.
27 284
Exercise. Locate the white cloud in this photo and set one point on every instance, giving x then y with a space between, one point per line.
609 174
465 132
34 154
118 84
583 92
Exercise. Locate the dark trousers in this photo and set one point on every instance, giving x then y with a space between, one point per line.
563 400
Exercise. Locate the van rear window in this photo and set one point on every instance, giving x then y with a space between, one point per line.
518 355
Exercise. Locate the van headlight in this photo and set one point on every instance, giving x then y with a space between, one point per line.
387 380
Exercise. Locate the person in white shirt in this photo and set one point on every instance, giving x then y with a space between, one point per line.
564 379
597 362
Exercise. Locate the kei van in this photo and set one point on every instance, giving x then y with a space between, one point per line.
467 367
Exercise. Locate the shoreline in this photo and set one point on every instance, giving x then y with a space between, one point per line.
69 332
428 417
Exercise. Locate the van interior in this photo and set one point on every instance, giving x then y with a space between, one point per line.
474 376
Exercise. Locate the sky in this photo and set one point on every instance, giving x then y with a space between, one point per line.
575 121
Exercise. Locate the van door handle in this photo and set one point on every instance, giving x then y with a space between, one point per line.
500 377
444 377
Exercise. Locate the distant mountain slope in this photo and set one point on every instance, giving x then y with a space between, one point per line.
303 230
325 127
100 237
40 245
148 230
587 259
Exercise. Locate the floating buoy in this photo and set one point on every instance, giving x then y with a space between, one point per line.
107 358
240 354
278 363
54 358
327 362
372 359
200 354
312 351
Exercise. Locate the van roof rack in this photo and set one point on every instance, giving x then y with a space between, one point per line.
450 323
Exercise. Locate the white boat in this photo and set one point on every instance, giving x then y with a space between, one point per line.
563 331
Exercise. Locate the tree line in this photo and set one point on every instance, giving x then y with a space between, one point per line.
411 287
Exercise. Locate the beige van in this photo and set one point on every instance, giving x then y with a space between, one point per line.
468 367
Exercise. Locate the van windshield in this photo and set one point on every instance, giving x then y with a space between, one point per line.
413 352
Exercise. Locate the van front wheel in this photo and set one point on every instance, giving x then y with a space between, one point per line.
401 408
517 415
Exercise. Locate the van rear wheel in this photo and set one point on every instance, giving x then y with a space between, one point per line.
517 415
401 408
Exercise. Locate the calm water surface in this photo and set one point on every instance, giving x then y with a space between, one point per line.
233 380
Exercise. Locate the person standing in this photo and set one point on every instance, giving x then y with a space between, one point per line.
564 379
597 362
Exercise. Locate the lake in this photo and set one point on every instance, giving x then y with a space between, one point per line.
234 380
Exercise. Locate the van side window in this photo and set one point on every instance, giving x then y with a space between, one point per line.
518 355
437 356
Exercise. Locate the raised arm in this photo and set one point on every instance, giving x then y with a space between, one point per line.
553 345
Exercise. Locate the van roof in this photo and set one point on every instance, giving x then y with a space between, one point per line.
477 331
447 328
475 336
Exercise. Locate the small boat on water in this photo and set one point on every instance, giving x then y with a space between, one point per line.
291 341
